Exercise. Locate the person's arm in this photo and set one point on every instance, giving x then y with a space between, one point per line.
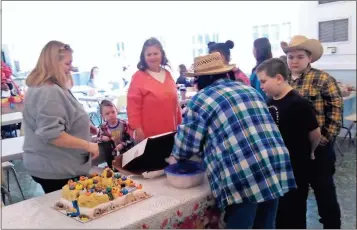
333 104
309 121
51 121
134 104
178 113
190 134
93 129
64 140
315 137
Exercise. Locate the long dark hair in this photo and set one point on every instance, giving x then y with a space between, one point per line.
263 50
207 80
91 72
142 65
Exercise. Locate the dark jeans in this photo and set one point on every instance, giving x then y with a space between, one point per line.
292 207
49 185
252 215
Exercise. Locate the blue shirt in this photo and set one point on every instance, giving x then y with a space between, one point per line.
229 125
255 83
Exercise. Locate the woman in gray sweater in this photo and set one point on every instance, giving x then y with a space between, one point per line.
57 130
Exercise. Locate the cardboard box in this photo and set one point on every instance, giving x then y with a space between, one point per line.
150 154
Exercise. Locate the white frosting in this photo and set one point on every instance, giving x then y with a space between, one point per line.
106 207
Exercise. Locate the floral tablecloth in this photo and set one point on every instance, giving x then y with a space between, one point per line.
199 214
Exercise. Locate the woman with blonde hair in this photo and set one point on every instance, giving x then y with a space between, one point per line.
57 131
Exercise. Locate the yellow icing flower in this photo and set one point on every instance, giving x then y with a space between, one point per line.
90 186
79 186
89 181
84 219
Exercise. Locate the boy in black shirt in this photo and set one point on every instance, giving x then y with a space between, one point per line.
299 128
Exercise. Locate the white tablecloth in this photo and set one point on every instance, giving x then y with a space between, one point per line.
11 118
166 202
11 148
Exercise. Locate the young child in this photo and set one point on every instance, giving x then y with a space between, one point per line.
113 134
297 123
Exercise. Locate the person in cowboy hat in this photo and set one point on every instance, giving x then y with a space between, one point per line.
228 124
325 95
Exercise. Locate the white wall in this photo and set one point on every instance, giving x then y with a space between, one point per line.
92 28
311 13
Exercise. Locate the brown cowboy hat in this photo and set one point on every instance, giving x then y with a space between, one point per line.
209 64
299 42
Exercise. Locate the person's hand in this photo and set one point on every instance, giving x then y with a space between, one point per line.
119 147
93 149
139 135
171 160
118 162
93 130
105 138
312 156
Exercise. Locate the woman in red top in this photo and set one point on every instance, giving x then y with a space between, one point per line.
153 106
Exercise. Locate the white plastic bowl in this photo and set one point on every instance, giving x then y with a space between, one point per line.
185 181
185 174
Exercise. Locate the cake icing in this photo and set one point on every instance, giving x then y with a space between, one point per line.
95 195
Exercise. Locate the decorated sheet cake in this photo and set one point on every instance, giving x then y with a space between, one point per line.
97 195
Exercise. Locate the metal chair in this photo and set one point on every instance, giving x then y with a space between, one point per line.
8 166
4 192
352 119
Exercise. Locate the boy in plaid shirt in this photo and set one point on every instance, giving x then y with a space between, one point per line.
113 133
322 91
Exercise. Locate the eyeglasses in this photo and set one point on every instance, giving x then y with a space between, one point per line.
65 48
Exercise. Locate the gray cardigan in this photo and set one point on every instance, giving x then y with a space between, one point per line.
49 110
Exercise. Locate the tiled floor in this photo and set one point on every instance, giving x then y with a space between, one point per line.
345 181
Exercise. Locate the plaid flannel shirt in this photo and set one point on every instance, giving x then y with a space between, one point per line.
325 95
124 138
229 125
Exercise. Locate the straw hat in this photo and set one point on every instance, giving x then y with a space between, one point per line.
209 64
300 42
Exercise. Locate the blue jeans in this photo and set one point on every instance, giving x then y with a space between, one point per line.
252 215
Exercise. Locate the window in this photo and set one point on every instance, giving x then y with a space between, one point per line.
3 56
207 38
215 37
200 52
333 31
275 33
255 32
265 31
327 1
286 31
200 41
120 50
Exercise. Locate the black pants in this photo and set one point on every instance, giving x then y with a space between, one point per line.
292 207
49 185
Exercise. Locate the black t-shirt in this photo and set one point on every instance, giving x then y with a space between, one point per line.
184 81
295 118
